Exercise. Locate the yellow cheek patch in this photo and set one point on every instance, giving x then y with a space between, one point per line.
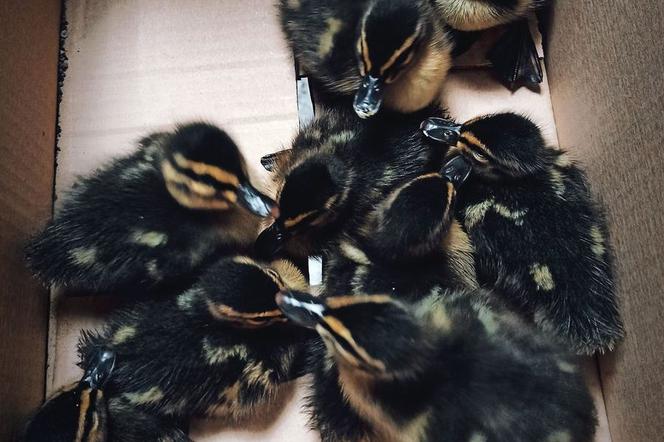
290 274
199 168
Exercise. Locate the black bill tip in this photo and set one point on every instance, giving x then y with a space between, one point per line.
99 368
457 170
368 97
256 202
441 130
269 161
301 308
270 241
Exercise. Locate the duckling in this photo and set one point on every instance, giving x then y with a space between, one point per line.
220 348
410 223
449 367
153 217
473 15
436 258
540 237
411 245
392 51
78 412
337 169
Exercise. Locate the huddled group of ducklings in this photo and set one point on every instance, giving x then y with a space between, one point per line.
465 265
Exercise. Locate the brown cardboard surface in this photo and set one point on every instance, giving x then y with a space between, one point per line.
142 65
29 54
137 66
605 66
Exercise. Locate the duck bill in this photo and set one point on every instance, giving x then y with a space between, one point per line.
441 130
270 241
301 308
99 369
257 203
368 97
457 170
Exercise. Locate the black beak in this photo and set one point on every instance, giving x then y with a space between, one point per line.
457 170
441 130
99 369
270 241
368 97
301 308
257 203
269 161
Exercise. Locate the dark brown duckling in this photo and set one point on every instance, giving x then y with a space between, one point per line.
396 52
446 368
220 348
153 217
540 236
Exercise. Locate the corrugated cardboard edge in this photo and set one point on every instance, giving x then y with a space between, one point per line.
605 65
28 76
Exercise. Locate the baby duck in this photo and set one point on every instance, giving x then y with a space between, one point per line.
449 367
411 244
78 412
473 15
392 51
337 169
540 237
152 217
220 348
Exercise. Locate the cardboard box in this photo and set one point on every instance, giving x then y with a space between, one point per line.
141 65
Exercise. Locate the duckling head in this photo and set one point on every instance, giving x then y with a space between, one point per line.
497 145
411 222
312 197
390 35
79 411
241 292
204 170
373 334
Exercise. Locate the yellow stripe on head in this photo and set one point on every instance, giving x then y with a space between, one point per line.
407 44
341 331
290 222
474 141
365 50
203 169
334 302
